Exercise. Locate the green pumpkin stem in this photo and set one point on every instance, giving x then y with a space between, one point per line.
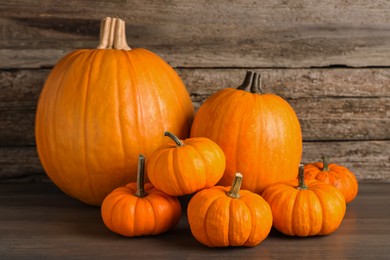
252 83
325 163
234 191
174 138
141 177
301 179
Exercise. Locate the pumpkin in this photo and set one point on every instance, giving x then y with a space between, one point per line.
137 209
100 108
184 167
305 208
259 133
339 176
227 216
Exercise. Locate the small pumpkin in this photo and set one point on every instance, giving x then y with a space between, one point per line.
184 167
227 216
100 108
339 176
259 133
138 210
305 208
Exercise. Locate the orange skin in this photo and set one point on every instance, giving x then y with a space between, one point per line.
98 110
217 220
259 133
336 175
179 170
129 215
318 210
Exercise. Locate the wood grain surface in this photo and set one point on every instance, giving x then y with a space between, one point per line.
338 104
329 59
192 33
38 221
369 160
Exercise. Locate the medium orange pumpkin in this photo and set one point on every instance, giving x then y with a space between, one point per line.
339 176
305 208
138 210
227 216
100 108
184 167
259 133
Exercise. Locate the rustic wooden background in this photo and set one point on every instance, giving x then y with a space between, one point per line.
330 59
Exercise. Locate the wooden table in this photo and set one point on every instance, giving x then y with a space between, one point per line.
39 221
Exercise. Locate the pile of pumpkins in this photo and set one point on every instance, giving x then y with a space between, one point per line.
115 127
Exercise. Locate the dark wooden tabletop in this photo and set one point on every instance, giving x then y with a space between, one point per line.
39 221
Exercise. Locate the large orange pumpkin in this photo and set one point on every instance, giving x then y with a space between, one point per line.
259 133
100 108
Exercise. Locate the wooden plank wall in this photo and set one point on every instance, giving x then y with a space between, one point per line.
330 59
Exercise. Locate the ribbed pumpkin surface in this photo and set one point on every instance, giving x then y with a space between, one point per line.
317 210
98 110
259 133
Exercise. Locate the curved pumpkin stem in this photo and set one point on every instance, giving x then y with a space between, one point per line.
252 83
113 34
301 178
325 163
174 138
234 191
141 177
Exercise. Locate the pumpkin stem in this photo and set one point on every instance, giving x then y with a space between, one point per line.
301 179
234 191
174 138
252 83
113 34
325 163
141 177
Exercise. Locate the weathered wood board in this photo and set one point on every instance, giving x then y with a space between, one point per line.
369 160
329 59
357 107
38 221
192 33
325 119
